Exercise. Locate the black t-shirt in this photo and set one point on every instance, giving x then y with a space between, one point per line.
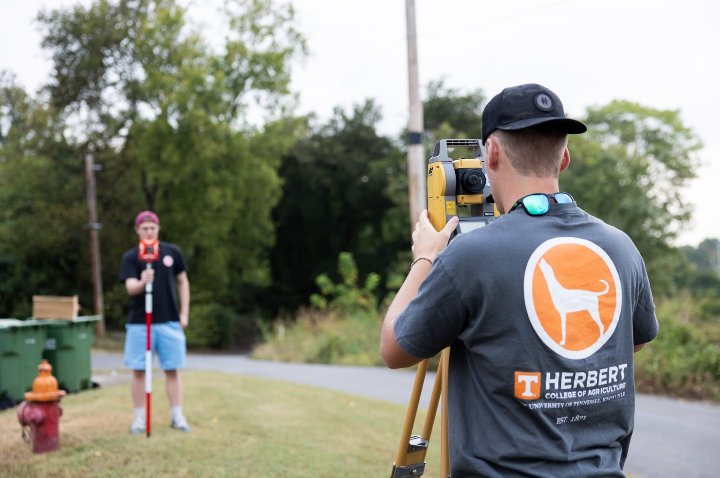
171 263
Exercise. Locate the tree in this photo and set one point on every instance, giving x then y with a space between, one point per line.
42 241
335 199
166 116
699 271
345 190
704 257
629 170
452 114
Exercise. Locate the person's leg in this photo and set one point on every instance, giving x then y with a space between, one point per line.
135 359
138 396
138 388
171 352
173 387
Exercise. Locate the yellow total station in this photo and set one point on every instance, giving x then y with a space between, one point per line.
459 187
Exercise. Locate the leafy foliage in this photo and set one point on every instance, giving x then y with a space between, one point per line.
339 194
684 360
317 336
42 240
699 277
260 212
628 170
165 115
347 297
218 327
450 113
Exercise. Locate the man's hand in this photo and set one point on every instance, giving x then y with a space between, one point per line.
184 320
427 242
147 276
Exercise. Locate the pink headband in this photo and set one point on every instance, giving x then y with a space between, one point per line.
146 216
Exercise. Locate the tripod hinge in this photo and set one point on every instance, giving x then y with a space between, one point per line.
409 471
417 443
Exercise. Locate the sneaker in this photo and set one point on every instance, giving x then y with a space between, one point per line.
138 426
180 423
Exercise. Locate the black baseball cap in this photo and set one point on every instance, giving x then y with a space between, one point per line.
523 106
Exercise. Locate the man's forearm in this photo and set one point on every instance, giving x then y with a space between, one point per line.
427 245
391 352
134 286
409 289
184 292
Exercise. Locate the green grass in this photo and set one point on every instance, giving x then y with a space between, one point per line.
242 427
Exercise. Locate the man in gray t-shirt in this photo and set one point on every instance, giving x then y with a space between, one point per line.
543 309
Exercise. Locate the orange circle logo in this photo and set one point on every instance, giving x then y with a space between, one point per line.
572 295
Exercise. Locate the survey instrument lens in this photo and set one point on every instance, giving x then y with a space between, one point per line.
473 180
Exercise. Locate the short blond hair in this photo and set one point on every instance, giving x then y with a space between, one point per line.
534 151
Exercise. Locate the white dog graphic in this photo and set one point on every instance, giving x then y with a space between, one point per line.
572 300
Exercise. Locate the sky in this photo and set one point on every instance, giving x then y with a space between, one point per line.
662 54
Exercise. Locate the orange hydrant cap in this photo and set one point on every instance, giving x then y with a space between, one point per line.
45 386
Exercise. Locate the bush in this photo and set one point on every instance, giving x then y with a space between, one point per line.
117 306
343 328
323 337
346 297
684 359
218 327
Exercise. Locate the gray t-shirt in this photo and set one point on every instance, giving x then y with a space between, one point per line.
542 313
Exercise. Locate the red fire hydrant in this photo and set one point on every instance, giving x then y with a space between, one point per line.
41 411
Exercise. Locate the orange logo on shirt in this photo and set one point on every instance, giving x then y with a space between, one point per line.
572 295
527 385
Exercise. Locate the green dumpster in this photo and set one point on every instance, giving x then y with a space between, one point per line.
21 350
67 348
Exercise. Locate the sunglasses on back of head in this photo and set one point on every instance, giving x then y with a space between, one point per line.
539 203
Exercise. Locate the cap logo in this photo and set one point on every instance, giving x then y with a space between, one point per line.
544 102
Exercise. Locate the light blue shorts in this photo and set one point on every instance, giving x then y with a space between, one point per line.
167 341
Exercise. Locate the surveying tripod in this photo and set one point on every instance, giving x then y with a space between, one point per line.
455 188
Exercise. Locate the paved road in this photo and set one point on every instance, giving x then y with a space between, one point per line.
672 439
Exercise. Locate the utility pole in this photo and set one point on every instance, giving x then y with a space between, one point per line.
417 166
93 225
717 255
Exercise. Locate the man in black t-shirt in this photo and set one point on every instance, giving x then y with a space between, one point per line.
169 279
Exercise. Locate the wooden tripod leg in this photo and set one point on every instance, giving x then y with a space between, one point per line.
413 448
411 413
444 445
432 406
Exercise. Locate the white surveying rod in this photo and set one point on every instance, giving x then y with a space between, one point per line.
148 351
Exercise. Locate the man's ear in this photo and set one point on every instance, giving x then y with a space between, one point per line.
565 160
492 153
